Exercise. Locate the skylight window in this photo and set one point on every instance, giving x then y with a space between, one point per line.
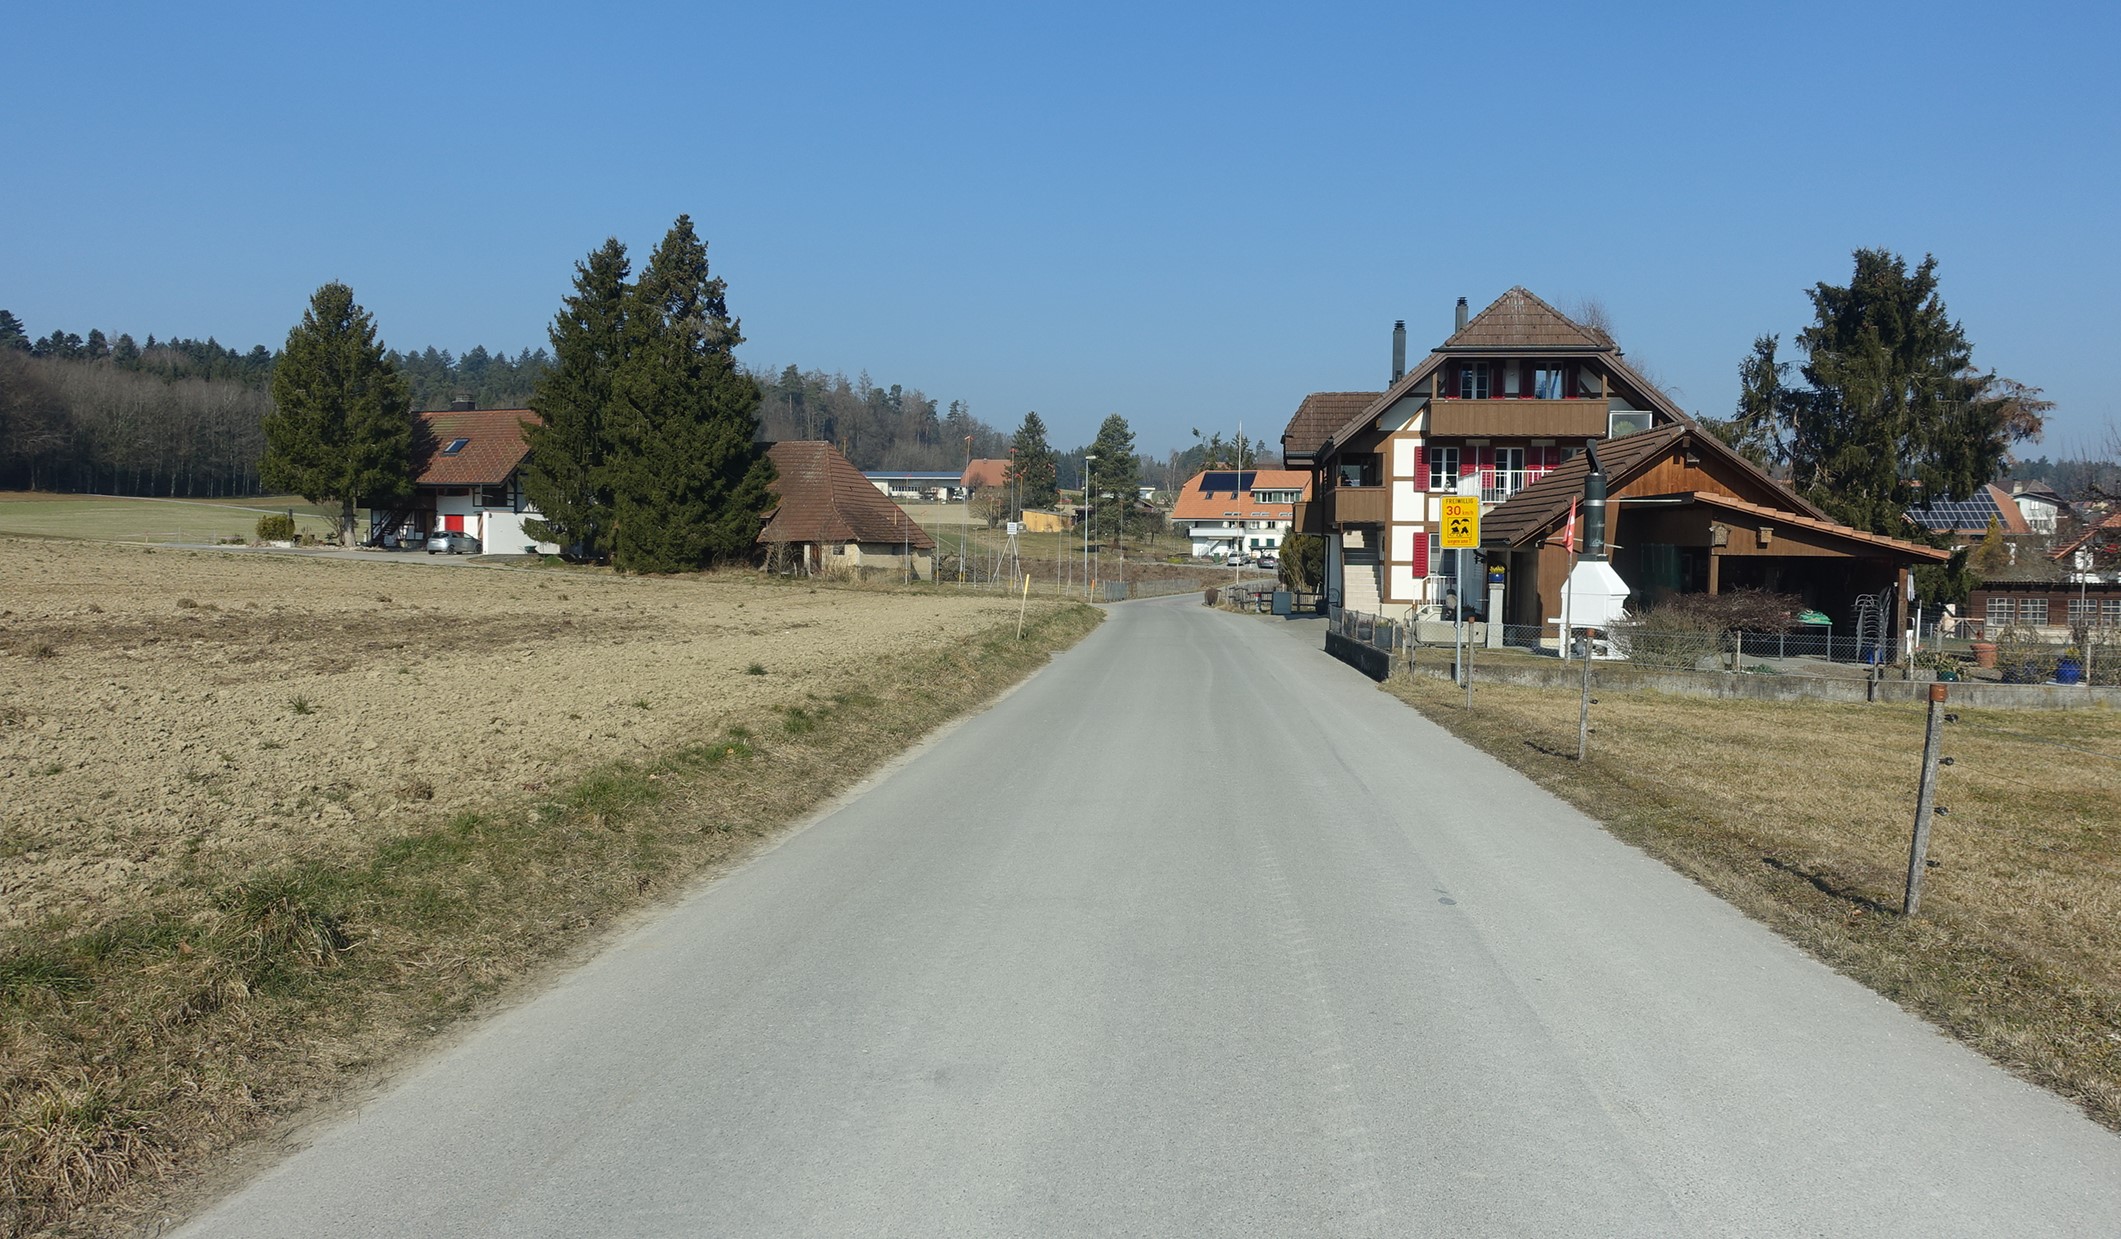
455 446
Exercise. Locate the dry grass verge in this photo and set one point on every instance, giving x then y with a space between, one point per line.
1799 814
138 1048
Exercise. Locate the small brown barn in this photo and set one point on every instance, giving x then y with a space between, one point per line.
828 518
1688 515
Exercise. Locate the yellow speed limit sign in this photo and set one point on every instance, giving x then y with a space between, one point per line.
1461 522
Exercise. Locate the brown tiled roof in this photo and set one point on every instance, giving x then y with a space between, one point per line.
1532 512
1196 504
1320 414
983 473
821 497
495 448
1518 319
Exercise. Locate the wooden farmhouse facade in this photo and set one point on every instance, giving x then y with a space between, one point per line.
1503 410
1516 390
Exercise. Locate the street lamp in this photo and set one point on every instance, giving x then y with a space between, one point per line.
1087 458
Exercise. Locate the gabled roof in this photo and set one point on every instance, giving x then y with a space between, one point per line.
1515 321
1229 494
1320 414
1532 512
984 473
1520 320
494 446
820 497
2102 534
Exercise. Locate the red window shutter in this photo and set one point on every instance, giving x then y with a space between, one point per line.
1421 554
1421 467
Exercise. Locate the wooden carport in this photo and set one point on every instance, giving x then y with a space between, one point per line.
1688 515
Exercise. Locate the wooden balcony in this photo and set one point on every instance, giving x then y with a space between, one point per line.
1358 505
1519 419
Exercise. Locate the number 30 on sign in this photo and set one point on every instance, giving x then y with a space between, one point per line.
1461 522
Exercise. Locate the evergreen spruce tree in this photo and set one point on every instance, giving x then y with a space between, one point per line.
1114 477
565 476
12 333
690 481
1893 412
341 426
1033 480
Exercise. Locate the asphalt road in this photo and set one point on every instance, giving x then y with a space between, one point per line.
1199 934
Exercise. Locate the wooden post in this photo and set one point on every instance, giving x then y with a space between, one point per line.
1583 708
1925 801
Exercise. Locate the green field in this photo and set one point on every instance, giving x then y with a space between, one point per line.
120 518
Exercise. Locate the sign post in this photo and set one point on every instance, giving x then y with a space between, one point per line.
1461 533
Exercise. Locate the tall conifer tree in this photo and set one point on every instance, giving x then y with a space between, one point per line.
566 477
341 426
690 481
1114 477
1033 478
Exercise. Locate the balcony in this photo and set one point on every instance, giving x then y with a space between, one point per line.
1503 483
1542 419
1358 505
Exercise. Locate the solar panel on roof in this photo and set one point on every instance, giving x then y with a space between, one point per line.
1971 513
1244 480
1212 482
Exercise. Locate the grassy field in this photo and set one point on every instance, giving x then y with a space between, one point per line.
272 821
118 518
1800 814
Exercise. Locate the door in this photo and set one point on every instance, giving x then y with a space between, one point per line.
454 523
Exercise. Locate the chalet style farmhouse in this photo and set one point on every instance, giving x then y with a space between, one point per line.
1504 409
467 478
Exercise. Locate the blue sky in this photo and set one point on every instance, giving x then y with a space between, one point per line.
1190 215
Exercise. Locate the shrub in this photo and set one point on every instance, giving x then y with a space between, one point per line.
278 527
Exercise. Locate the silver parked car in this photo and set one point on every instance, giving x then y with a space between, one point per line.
451 542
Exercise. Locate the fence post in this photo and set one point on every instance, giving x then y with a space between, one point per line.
1925 801
1583 708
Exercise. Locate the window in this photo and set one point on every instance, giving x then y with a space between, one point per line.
2032 610
2110 611
2000 612
1473 380
1546 383
2084 610
1443 468
493 497
455 446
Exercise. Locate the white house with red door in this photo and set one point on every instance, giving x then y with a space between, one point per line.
467 478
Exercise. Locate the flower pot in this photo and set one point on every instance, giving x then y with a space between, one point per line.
1945 675
1984 653
2069 671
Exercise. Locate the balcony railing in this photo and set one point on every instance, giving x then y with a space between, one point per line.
1504 483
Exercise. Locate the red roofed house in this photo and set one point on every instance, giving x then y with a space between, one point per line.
980 474
1239 511
828 518
467 476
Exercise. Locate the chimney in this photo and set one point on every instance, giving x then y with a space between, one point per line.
1593 507
1461 316
462 406
1399 350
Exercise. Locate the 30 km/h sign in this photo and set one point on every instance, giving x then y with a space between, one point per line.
1461 522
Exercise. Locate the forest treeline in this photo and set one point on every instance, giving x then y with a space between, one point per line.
183 417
